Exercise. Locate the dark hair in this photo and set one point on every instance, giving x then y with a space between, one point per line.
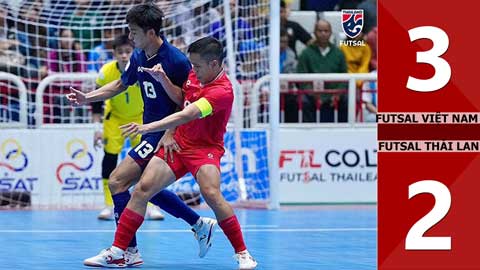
146 16
282 4
122 40
208 47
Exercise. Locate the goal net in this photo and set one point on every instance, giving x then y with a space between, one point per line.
52 45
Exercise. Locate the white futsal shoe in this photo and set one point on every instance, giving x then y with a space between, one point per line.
245 260
133 257
203 232
107 258
154 213
106 213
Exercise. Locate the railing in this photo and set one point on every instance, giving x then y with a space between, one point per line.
22 92
350 78
39 114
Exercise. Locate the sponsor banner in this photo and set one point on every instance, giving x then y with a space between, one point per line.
59 167
254 185
328 166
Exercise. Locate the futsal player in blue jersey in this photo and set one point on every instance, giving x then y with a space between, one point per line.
144 22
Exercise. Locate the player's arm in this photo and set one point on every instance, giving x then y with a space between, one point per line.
107 91
199 109
174 92
97 120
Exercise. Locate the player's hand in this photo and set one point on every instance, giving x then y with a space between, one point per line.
133 129
76 97
169 144
97 140
156 72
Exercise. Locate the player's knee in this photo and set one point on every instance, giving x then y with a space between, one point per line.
109 163
210 193
116 183
142 191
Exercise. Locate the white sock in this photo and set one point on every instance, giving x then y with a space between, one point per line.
132 249
198 224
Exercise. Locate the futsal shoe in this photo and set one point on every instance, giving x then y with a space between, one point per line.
106 213
107 258
245 260
154 213
204 232
133 257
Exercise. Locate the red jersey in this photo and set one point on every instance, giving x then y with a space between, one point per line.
206 132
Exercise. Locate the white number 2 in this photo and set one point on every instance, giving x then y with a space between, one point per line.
442 68
149 90
415 239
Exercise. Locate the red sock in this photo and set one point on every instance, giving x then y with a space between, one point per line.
128 225
232 230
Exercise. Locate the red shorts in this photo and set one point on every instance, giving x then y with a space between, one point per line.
191 160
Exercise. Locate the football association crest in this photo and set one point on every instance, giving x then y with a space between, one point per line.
352 22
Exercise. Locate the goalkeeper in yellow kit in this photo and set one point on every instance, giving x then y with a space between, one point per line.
119 110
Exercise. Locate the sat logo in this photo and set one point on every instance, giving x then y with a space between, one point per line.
76 169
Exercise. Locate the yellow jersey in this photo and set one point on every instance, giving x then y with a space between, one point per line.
127 105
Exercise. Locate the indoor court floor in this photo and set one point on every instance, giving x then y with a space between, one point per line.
317 238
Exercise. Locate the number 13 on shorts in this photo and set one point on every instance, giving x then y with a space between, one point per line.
428 202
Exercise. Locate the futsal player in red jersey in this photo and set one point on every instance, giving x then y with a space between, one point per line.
202 123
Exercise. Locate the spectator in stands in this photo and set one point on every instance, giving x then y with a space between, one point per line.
288 64
10 60
241 27
103 53
85 23
371 39
357 57
323 57
370 14
32 36
369 100
67 58
295 31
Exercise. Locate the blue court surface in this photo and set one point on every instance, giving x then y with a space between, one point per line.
321 237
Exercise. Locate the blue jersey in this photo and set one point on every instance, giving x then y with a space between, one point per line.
156 102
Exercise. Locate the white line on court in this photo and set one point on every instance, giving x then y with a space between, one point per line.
297 230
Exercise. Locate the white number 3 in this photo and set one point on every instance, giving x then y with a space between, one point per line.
415 239
442 68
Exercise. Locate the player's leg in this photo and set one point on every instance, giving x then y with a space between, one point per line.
165 199
208 178
156 176
153 211
109 163
112 145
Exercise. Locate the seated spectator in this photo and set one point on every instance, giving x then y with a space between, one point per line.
85 23
369 100
371 39
10 60
103 53
323 57
294 30
357 57
67 58
370 14
288 63
241 27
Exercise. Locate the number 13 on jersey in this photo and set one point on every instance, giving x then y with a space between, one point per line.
428 202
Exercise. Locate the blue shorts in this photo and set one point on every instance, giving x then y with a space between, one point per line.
144 151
